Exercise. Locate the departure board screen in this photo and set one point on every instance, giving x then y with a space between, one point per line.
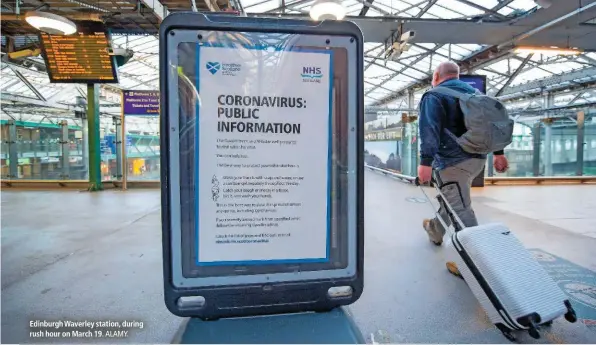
83 57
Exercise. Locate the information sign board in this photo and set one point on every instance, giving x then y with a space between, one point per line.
244 183
83 57
140 102
263 136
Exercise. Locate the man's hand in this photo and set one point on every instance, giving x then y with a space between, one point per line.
424 173
500 163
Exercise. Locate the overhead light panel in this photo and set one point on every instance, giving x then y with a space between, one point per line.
50 23
548 50
327 10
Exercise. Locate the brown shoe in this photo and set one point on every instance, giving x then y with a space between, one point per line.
452 268
432 235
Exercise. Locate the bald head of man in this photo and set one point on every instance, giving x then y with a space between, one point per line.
446 70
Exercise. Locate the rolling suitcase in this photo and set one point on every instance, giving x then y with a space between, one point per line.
512 287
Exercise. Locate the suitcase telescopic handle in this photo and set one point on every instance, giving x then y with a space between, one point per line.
450 211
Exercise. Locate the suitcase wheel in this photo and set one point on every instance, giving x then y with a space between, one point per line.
570 315
533 331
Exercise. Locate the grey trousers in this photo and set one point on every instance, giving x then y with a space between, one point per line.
456 187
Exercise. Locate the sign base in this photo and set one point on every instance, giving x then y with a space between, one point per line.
334 327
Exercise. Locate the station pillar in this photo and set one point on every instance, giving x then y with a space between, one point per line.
581 118
548 147
536 131
13 153
65 145
548 102
93 133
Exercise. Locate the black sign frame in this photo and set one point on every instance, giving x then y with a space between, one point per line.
258 299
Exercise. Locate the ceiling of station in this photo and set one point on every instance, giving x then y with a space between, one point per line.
26 80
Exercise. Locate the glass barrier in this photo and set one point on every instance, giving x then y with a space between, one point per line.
520 153
589 164
39 151
391 142
384 146
142 148
109 136
539 147
4 155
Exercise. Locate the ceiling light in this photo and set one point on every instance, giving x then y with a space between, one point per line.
547 50
327 10
50 23
543 3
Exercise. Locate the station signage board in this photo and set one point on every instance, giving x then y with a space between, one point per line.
261 160
140 103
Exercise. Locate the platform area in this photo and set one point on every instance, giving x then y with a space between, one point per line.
70 255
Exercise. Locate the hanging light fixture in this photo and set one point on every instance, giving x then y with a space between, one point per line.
327 10
551 51
50 23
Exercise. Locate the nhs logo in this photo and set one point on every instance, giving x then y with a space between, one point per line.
311 74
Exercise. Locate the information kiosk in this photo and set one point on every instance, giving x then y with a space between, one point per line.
262 165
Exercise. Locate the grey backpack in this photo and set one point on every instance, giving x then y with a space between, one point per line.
488 125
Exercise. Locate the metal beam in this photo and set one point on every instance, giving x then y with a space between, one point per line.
585 73
377 85
587 58
418 81
365 8
514 75
28 84
158 9
576 98
502 4
544 26
459 31
6 97
368 64
393 70
482 8
426 8
290 5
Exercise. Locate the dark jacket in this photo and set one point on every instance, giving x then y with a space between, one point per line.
437 113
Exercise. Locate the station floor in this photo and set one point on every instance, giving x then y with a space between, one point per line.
70 255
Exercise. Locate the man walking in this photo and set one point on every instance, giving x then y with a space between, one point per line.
441 122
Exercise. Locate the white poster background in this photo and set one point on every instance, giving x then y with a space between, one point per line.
246 72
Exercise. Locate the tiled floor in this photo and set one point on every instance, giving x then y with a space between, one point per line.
76 255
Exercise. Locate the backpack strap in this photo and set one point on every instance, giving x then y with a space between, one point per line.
450 92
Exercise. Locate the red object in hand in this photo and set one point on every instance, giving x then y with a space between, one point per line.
424 173
500 163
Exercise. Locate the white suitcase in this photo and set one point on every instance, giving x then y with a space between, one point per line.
513 288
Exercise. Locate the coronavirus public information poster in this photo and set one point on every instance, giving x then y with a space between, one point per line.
263 155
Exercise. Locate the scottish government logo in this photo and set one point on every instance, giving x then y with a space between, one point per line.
311 75
213 67
229 69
